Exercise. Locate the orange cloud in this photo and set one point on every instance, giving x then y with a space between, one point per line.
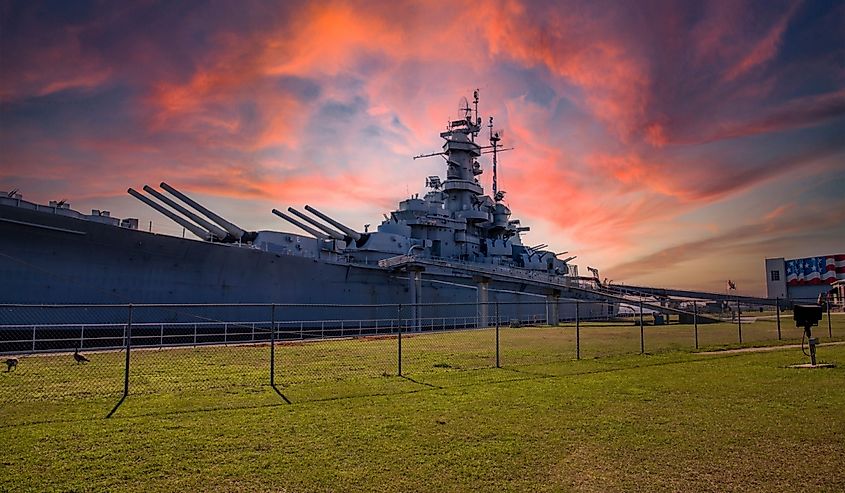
584 51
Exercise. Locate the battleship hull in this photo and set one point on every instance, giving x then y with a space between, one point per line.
50 259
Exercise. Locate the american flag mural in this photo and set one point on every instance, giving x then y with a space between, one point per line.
815 270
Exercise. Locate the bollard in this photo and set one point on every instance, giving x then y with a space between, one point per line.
777 312
812 341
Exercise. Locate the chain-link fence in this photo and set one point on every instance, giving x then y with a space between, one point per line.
219 355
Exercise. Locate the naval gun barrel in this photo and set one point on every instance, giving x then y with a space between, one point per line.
193 228
334 234
229 227
349 232
216 230
313 232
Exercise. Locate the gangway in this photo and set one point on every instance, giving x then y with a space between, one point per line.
687 294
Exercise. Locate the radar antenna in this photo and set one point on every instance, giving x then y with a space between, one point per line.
465 108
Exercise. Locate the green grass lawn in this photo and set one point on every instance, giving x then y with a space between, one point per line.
205 418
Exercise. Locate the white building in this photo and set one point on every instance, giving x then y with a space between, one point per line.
803 278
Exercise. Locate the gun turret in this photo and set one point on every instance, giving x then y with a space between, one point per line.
334 234
213 228
313 232
193 228
349 231
232 229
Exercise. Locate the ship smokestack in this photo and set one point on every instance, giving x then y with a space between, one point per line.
231 228
313 232
349 232
334 234
193 228
216 230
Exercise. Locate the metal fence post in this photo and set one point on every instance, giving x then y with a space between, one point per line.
739 320
577 330
497 336
273 345
777 311
128 347
642 329
829 326
273 354
695 322
399 336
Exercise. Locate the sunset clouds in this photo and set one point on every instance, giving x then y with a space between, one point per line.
645 133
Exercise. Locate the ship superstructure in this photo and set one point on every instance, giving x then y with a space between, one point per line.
454 220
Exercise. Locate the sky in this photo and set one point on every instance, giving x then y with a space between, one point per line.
675 144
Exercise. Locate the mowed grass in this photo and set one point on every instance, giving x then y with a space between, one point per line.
205 418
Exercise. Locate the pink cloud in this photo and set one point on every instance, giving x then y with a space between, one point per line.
764 49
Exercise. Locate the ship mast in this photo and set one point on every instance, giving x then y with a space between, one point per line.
494 143
477 118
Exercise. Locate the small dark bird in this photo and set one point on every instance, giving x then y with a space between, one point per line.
80 358
11 364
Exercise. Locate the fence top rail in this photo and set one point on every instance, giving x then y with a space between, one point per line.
215 323
562 301
608 299
293 305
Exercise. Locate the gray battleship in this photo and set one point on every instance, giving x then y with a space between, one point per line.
454 246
